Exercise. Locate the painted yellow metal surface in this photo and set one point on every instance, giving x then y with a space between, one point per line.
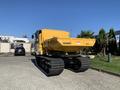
48 33
69 44
58 40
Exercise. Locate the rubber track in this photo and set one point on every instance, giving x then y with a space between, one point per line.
55 65
84 64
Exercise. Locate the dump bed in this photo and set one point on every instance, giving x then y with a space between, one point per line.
58 40
68 44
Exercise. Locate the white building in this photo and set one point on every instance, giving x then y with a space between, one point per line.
12 39
8 44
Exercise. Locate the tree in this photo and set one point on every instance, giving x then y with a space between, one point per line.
112 45
102 41
85 34
119 46
96 48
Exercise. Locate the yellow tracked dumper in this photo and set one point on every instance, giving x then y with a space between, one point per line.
55 50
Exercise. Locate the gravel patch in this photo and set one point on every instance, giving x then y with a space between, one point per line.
19 73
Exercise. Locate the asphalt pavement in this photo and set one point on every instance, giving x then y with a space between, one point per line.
20 73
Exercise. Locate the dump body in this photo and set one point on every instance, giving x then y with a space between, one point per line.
57 40
68 44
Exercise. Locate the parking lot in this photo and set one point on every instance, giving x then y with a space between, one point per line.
19 73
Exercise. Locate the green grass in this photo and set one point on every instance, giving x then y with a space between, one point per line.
102 63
